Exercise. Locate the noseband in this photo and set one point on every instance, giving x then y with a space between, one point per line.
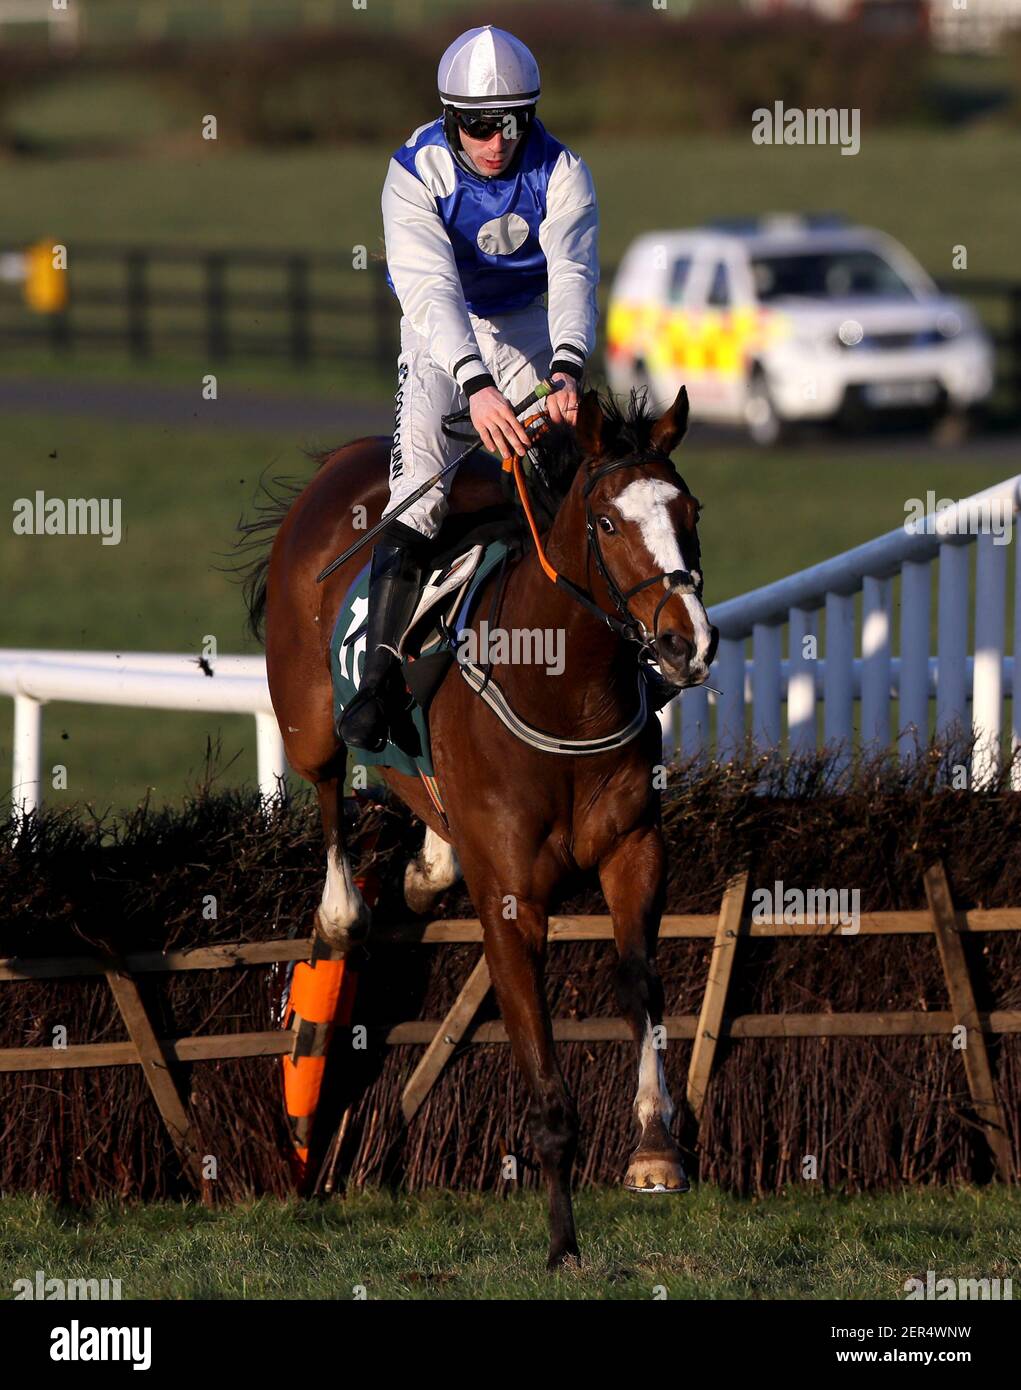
627 626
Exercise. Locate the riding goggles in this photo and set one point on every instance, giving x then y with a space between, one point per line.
481 125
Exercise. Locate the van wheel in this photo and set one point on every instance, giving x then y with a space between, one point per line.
764 424
951 429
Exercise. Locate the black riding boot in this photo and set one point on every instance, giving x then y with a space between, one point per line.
394 582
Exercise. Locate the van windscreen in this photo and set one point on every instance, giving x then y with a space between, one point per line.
827 275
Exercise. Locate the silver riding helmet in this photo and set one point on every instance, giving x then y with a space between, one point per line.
486 70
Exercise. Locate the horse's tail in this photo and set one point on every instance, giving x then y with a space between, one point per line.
249 561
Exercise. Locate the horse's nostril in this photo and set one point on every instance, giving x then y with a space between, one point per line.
714 642
675 648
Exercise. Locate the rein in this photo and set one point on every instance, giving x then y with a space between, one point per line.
626 625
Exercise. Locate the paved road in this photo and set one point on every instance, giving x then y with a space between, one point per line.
249 407
239 407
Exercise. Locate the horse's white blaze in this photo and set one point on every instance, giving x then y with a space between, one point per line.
435 867
342 904
653 1096
699 625
647 502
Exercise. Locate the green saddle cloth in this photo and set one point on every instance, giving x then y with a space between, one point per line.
409 750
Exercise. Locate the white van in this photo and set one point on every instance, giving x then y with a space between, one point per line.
790 319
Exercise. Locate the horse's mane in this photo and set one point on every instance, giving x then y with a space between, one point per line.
628 430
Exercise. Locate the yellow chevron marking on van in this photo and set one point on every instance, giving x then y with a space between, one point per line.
720 341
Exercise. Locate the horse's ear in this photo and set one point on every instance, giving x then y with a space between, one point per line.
589 425
670 429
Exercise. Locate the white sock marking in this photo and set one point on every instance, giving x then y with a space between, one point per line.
435 867
342 904
653 1097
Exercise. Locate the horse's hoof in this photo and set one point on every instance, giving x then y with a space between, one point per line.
430 873
656 1173
346 937
566 1258
418 896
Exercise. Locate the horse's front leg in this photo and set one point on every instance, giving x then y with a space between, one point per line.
515 953
343 918
633 878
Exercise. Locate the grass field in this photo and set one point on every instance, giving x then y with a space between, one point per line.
448 1245
182 493
932 190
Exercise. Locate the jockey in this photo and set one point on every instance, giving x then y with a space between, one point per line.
484 213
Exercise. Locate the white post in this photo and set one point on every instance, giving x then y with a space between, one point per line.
952 645
26 790
766 685
670 722
272 763
728 670
838 686
913 693
801 670
674 712
987 681
694 705
875 666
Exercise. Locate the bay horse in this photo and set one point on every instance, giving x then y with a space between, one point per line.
520 819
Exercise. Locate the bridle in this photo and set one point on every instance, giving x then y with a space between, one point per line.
624 622
626 625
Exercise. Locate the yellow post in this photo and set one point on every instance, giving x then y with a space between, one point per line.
45 283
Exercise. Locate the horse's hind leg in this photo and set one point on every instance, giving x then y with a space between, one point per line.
342 918
633 878
433 870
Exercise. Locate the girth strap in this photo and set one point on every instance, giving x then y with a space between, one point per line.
485 687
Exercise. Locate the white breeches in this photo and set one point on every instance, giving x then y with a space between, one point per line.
517 352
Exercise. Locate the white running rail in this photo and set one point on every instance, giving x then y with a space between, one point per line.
149 680
754 688
858 664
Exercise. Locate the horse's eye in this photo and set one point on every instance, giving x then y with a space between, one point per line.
606 525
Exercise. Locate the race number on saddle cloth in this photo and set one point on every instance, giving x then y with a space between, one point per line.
471 258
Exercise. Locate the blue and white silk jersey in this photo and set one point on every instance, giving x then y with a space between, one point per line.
460 245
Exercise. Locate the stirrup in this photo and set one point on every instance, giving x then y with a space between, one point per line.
369 737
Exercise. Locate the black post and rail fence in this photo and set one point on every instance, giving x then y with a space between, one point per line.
153 302
170 301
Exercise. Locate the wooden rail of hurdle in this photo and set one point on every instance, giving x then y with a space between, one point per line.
441 1038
